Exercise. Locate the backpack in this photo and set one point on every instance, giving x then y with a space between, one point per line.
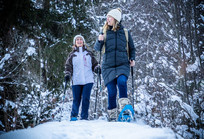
126 36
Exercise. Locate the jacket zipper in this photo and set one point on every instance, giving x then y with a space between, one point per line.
115 51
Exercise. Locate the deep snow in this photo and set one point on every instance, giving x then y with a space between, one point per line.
95 129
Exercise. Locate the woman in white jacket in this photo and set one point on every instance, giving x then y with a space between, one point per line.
80 65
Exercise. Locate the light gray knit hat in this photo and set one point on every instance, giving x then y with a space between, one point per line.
74 40
116 13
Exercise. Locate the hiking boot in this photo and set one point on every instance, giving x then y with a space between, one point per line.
122 102
112 115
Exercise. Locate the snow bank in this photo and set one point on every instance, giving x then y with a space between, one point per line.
96 129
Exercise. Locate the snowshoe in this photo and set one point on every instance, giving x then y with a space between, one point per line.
73 119
127 114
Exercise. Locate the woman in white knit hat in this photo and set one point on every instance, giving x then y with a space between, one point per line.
80 65
119 55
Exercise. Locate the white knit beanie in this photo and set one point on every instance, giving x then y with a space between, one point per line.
116 13
74 40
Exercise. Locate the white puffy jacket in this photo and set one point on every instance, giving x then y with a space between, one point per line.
80 65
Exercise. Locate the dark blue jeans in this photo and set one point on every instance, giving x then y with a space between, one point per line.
121 82
81 92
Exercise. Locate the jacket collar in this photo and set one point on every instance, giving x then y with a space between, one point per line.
120 28
77 48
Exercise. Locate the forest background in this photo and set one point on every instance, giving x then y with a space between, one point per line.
36 37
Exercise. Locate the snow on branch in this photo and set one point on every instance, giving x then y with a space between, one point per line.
168 88
2 62
187 108
30 51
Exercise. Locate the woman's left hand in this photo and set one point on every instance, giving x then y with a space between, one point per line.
132 63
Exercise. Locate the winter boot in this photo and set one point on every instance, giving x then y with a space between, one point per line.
122 102
112 115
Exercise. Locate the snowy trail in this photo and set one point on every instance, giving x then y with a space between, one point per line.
97 129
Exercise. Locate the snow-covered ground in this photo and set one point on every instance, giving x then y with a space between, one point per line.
95 129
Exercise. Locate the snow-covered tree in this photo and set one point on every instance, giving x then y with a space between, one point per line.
36 37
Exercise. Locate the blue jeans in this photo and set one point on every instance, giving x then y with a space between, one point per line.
121 82
81 92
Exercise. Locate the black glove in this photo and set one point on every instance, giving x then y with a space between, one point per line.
67 78
97 70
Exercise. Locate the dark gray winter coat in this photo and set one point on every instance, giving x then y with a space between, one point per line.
115 59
